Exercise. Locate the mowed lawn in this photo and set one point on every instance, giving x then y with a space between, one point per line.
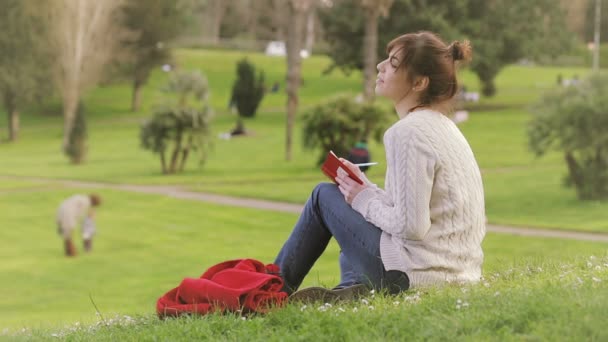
146 244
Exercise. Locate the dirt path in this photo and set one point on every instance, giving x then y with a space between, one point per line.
177 192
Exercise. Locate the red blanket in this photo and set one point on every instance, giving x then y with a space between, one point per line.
243 284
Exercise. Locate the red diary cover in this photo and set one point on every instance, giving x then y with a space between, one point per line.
330 168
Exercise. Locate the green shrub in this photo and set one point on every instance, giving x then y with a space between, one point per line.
76 149
574 120
341 122
247 92
178 126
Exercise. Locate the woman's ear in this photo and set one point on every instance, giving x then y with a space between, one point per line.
421 83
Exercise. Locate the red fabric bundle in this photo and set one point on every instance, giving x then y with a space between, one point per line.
243 284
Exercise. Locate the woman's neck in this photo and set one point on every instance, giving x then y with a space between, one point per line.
406 106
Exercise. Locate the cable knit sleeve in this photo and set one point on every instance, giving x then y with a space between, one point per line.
404 208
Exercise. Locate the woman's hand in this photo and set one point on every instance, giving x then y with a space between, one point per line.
349 187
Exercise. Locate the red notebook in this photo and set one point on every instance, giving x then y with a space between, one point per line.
330 168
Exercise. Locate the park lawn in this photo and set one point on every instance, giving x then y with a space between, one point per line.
254 166
146 244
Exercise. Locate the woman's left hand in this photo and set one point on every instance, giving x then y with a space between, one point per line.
349 187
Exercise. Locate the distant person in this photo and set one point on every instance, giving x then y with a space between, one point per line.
275 87
359 154
75 210
426 226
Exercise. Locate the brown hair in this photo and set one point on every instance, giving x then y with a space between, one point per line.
425 54
95 200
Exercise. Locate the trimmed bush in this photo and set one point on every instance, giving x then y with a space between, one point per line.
574 121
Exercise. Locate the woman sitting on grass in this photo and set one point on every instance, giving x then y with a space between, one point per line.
426 227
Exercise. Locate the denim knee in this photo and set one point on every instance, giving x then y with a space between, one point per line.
321 190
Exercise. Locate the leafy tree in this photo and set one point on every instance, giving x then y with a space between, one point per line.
24 61
155 24
180 126
505 31
76 148
85 38
247 93
341 122
501 31
373 9
574 120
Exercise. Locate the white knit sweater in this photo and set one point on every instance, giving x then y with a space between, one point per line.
432 212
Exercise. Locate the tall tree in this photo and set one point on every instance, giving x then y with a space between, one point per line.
297 14
373 9
24 58
85 37
505 31
155 24
501 31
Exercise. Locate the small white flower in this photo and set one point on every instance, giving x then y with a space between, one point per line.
365 301
458 301
372 291
497 293
355 309
592 257
328 305
597 268
589 264
322 308
396 303
579 280
486 284
606 265
457 306
371 307
243 318
465 304
597 280
303 308
341 310
539 269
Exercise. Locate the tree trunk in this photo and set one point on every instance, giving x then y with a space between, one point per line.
12 116
13 125
136 98
240 126
370 47
176 150
70 104
163 162
185 153
294 43
310 30
218 8
574 169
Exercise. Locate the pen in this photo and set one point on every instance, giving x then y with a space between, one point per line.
366 164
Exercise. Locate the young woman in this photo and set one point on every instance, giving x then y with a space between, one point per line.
426 227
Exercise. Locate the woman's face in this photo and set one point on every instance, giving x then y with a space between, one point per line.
391 82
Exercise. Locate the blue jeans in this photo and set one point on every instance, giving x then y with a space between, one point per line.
326 215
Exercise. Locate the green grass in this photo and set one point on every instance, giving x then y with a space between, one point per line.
550 301
146 244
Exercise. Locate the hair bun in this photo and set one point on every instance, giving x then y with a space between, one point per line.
460 50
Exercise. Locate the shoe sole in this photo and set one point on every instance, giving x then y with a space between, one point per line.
321 294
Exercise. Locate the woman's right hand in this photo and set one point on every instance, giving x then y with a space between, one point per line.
354 168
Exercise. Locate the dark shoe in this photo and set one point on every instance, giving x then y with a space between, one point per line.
321 294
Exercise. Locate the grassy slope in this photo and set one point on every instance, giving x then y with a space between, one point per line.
146 244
